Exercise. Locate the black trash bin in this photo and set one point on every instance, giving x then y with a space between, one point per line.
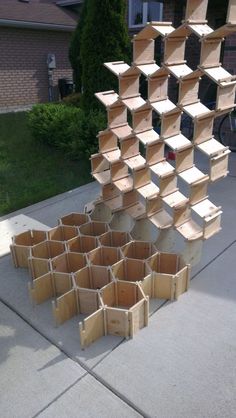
65 86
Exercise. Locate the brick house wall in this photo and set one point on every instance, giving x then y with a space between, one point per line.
23 68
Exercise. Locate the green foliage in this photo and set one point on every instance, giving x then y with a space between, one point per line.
83 132
67 128
104 39
74 49
73 99
49 123
31 171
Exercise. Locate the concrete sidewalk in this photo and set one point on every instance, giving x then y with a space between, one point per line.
182 365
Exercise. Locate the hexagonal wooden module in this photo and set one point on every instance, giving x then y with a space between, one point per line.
92 263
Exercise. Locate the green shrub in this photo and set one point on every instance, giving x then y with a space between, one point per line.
83 132
67 128
49 123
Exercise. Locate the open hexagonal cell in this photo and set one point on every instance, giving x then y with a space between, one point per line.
124 311
81 244
130 270
104 256
170 276
74 219
50 285
89 280
138 249
101 212
94 228
68 262
62 233
114 238
41 253
21 243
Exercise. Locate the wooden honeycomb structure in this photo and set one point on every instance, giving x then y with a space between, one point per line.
108 262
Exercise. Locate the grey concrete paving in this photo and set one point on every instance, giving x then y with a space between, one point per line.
37 379
182 365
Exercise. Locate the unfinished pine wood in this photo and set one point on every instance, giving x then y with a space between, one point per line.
142 177
210 52
212 147
68 262
149 191
155 152
211 216
174 50
201 30
190 230
184 159
131 270
101 212
163 106
188 91
109 191
21 243
114 238
178 142
179 71
62 233
143 51
196 110
99 163
154 29
94 228
107 141
148 69
117 67
142 120
122 132
148 137
225 97
104 256
138 249
129 148
49 285
196 10
130 198
231 14
81 244
222 31
170 124
117 116
219 75
153 205
107 98
129 84
38 266
65 307
138 316
74 219
92 328
203 128
219 166
134 103
158 86
161 219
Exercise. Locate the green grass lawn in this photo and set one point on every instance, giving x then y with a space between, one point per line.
30 171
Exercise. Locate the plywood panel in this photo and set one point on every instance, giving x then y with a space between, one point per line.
41 289
117 322
92 328
65 307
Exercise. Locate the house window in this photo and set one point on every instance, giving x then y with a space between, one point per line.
141 12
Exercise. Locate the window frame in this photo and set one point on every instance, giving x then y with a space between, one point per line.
145 14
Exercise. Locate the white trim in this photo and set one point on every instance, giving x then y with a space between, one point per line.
145 14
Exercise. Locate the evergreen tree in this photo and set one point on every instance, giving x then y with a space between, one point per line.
104 39
74 50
